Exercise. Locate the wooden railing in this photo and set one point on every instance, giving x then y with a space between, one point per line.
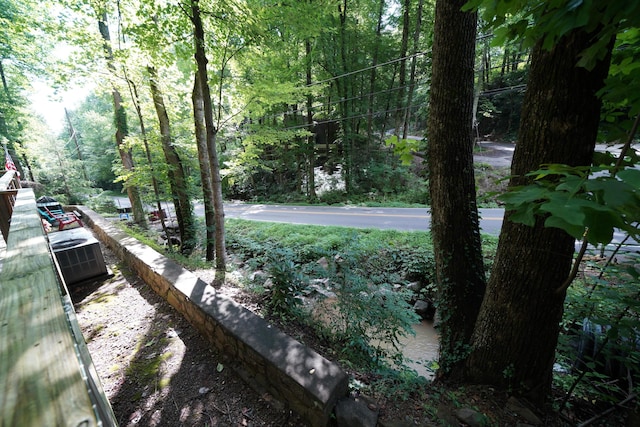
47 377
9 185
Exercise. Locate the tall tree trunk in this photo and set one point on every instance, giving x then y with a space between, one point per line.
121 128
372 75
454 215
402 73
517 329
74 137
205 167
412 73
344 86
201 61
5 86
311 143
4 129
177 176
133 92
506 54
127 159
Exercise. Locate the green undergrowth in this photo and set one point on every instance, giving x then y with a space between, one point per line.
347 285
354 288
598 354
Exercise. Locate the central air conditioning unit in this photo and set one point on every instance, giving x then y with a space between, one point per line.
78 254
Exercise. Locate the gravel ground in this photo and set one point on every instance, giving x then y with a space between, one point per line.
155 368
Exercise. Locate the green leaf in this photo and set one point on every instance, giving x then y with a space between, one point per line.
571 184
633 272
525 216
523 195
631 177
574 230
601 226
612 192
392 140
565 208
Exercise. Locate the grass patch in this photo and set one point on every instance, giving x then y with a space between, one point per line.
146 369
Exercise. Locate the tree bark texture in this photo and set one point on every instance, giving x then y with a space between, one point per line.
205 168
120 118
133 91
516 333
454 214
201 61
126 158
402 73
372 76
344 87
310 152
177 177
412 73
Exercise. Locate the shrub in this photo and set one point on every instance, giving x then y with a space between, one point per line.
287 283
102 203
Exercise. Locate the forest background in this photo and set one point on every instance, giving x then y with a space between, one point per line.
328 102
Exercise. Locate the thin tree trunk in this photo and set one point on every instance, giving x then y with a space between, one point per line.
201 60
344 89
412 73
516 333
121 129
177 176
133 92
205 168
5 86
505 61
311 143
402 73
372 76
454 215
74 137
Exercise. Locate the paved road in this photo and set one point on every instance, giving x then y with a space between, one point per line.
406 219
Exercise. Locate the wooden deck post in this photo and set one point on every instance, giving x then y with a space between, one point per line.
9 185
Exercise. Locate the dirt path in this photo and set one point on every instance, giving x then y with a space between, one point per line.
155 369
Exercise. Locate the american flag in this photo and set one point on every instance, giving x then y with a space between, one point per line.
8 161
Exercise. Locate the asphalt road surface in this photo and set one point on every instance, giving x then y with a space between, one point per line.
405 219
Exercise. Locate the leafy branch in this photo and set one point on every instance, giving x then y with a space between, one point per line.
588 203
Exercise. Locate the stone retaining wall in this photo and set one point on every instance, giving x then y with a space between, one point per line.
293 373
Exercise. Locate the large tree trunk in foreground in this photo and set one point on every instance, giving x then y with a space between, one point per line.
517 330
454 214
177 177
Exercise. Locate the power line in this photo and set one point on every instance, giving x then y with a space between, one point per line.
502 90
319 104
371 67
357 116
